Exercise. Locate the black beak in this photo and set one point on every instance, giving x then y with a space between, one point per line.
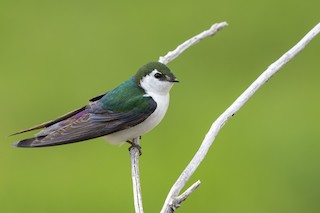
172 79
175 80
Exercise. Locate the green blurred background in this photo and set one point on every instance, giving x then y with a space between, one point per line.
56 55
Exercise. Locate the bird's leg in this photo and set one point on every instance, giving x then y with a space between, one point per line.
134 145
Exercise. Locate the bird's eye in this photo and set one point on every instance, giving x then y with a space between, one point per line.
157 75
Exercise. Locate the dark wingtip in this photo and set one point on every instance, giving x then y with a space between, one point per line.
25 143
31 129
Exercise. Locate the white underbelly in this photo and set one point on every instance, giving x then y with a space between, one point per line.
152 121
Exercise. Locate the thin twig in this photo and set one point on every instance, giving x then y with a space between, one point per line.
134 156
176 203
224 117
185 45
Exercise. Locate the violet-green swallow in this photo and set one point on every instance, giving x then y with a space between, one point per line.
130 110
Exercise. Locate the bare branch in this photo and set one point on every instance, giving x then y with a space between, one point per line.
185 45
134 156
235 107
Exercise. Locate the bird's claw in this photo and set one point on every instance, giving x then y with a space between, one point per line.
137 146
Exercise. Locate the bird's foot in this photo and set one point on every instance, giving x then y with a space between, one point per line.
131 141
134 145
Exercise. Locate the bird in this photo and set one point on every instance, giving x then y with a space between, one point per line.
120 115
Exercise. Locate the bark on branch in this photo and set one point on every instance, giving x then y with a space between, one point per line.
134 156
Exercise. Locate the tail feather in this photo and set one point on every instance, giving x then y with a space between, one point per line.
32 142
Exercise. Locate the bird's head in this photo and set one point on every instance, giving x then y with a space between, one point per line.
155 77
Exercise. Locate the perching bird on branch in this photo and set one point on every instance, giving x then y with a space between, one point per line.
130 110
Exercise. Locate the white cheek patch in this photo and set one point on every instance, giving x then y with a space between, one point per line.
153 85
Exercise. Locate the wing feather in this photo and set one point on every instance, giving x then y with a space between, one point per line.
91 124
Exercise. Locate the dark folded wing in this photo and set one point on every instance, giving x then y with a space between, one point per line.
90 124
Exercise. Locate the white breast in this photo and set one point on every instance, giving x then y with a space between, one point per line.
152 121
159 91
